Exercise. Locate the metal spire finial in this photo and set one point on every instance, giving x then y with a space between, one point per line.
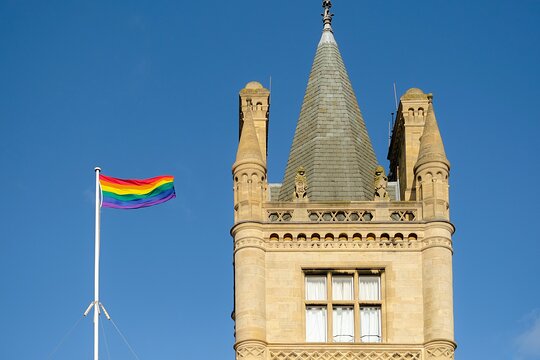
327 16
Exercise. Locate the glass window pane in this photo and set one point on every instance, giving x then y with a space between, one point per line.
315 324
370 324
315 287
342 287
343 324
370 287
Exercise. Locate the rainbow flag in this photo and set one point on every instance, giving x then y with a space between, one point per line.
135 194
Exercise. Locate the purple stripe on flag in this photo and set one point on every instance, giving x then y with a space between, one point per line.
140 203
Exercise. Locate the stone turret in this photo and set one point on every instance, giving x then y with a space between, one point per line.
255 104
431 173
250 188
405 144
249 169
431 170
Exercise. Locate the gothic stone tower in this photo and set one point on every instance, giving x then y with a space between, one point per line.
340 262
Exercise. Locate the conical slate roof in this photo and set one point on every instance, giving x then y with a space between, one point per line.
331 141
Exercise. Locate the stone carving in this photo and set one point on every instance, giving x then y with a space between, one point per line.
381 182
326 215
249 242
347 242
344 245
349 245
300 184
251 352
280 216
345 355
440 353
402 215
437 242
340 215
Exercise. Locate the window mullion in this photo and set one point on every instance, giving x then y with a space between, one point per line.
382 299
329 309
356 308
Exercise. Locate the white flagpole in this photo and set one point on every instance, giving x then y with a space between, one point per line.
96 267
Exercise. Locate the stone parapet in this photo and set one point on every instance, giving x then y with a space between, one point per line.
343 212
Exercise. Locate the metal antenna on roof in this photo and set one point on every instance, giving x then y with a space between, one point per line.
392 118
390 127
270 90
395 95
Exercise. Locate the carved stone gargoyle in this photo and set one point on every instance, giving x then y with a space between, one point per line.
300 185
380 183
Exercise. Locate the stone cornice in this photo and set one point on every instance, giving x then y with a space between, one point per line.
243 224
441 223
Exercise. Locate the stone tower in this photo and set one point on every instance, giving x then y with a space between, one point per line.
341 262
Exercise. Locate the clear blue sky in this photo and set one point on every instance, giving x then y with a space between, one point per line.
143 88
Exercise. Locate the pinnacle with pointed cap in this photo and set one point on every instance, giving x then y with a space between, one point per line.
248 147
431 145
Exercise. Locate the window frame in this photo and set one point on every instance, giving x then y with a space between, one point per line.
356 303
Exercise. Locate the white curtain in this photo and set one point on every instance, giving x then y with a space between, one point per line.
370 287
315 324
343 324
342 287
370 324
315 287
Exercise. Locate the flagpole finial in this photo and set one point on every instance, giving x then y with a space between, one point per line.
327 16
97 168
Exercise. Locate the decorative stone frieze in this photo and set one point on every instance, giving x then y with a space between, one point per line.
437 241
249 242
440 350
251 352
403 215
345 355
280 215
343 241
340 215
348 245
350 213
